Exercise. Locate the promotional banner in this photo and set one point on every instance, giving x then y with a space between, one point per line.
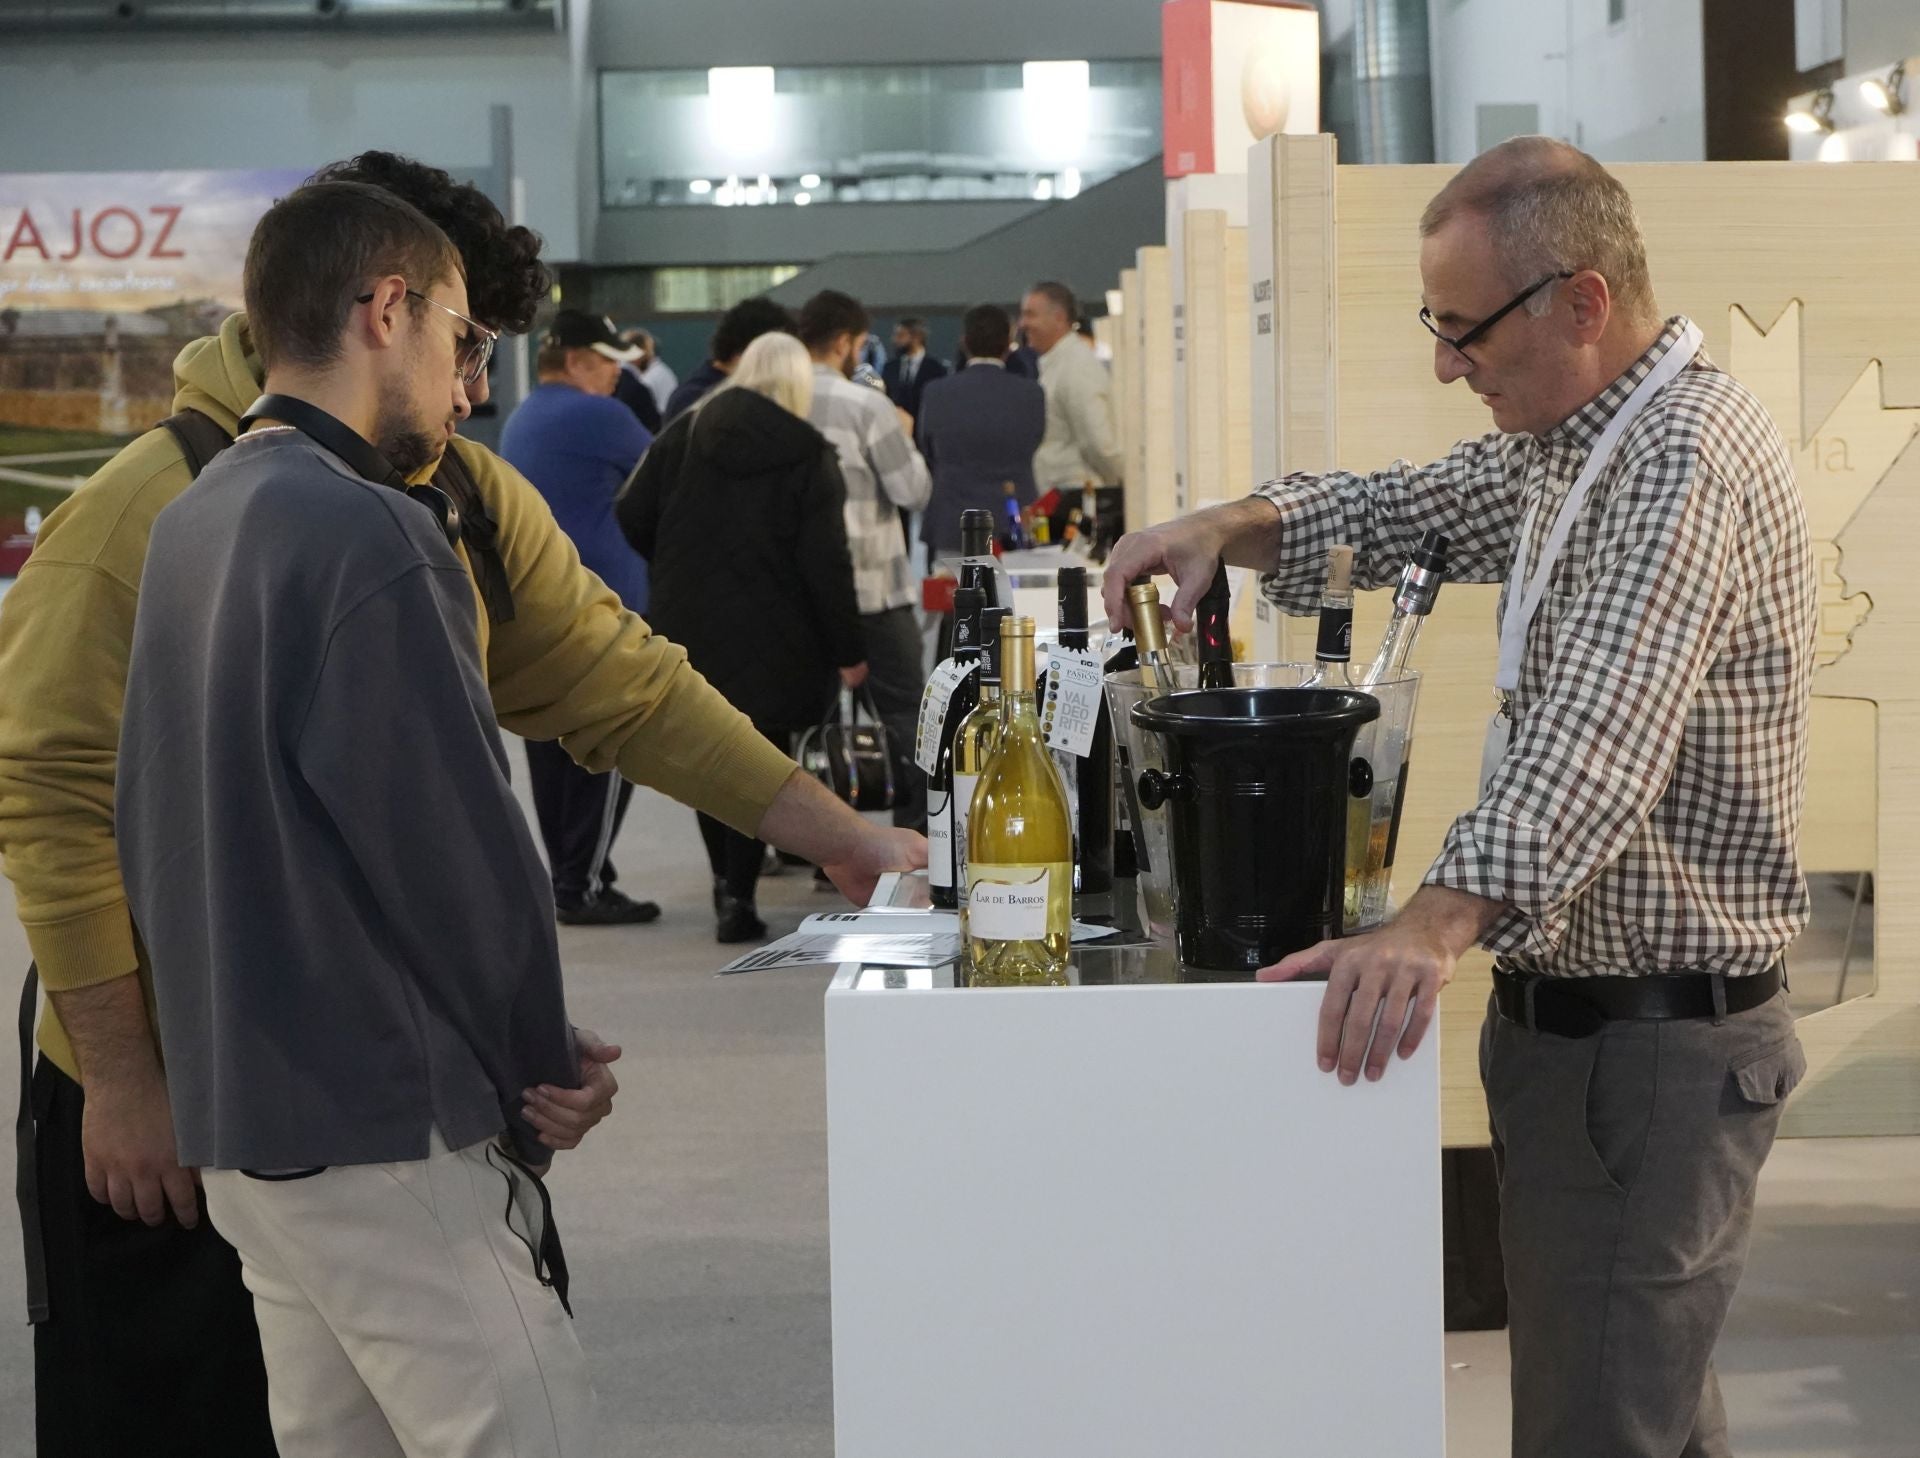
1235 71
103 277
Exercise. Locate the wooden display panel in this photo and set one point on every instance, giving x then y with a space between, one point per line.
1236 349
1153 337
1218 398
1126 392
1202 474
1293 335
1789 270
1226 194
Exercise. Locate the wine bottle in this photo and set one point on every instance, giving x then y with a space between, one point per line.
1019 843
1150 635
1089 781
1212 632
1370 861
1333 651
1013 529
1419 587
973 741
943 861
1123 656
978 565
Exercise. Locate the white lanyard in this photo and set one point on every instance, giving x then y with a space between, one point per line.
1523 597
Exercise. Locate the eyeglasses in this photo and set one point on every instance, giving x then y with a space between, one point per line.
1479 331
470 355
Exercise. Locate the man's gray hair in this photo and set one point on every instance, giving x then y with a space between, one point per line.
1550 208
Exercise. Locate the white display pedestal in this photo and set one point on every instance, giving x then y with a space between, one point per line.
1125 1222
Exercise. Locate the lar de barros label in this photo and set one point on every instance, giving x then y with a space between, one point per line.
1008 903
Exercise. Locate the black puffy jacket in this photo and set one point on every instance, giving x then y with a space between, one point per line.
739 509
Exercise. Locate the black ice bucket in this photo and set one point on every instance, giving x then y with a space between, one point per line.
1257 785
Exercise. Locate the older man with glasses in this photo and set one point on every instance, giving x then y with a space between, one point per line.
1631 862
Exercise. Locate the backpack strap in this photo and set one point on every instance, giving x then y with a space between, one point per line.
199 437
480 532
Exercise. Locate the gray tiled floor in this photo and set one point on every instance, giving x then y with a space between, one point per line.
696 1220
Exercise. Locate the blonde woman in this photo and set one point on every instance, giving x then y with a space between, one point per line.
738 508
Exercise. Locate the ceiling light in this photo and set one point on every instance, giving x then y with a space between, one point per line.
700 187
1886 96
1814 115
812 179
740 108
1043 190
801 199
1056 103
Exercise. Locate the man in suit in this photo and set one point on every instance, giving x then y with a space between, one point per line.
911 369
978 430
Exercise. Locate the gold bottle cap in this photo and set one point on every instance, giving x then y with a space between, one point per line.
1149 628
1016 656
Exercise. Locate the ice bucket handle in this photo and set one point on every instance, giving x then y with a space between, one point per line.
1158 788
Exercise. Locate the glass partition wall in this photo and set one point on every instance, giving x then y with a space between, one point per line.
801 136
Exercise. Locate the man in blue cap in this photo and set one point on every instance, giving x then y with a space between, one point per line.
577 444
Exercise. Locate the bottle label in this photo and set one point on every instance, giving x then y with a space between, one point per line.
940 840
1009 903
935 703
1335 644
1071 713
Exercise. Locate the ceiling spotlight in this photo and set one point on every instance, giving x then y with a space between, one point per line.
801 199
1815 115
700 187
812 179
1886 96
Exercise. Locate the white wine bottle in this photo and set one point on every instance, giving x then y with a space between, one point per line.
973 743
1019 842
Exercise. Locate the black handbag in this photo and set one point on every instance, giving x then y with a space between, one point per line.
851 758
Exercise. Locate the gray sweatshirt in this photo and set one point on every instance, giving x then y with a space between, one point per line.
351 934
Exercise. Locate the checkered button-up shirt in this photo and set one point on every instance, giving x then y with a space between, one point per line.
1646 814
885 474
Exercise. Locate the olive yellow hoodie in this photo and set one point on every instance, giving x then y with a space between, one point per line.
571 664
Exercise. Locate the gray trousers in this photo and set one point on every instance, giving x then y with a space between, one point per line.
896 675
1627 1165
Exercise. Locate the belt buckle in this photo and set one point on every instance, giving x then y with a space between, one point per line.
1578 1017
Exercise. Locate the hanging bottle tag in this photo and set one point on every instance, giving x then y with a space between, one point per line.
1494 749
1072 710
934 704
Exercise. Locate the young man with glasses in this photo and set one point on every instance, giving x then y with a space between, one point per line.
144 1334
354 962
1631 862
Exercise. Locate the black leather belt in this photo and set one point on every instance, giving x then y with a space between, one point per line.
1578 1007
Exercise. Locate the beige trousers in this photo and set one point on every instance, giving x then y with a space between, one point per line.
400 1313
